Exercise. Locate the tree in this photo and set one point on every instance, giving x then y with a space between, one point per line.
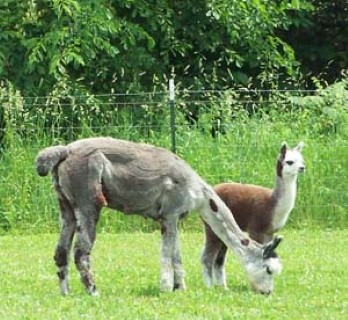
320 39
105 46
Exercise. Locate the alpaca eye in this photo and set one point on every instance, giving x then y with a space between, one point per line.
268 270
290 163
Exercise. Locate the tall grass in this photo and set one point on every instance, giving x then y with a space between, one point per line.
244 149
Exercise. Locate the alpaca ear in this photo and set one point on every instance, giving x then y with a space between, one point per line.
283 148
268 251
300 146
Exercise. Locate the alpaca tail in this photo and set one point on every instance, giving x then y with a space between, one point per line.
50 157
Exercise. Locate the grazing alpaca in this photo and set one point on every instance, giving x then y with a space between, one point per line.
257 210
89 174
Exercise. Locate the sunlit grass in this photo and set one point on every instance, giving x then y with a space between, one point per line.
313 285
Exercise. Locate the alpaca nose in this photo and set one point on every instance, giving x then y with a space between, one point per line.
266 293
301 169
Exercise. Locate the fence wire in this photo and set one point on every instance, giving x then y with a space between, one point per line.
231 135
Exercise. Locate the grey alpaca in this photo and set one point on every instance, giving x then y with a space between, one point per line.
93 173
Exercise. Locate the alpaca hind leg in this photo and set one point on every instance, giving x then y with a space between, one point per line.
219 274
85 237
61 256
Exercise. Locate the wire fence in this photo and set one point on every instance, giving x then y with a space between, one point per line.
230 135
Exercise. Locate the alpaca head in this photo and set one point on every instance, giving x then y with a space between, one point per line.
290 161
261 277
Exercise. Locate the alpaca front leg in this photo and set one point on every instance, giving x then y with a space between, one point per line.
179 273
167 275
168 234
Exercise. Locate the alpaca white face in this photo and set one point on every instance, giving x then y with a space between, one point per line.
261 277
290 161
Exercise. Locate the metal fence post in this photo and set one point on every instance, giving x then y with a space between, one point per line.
172 113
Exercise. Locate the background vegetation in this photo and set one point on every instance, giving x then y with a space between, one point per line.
71 69
107 46
236 136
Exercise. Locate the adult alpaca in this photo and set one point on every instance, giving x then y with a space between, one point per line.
89 174
258 210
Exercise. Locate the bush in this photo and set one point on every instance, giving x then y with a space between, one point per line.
325 113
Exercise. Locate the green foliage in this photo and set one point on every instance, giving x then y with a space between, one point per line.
319 38
326 112
104 46
55 39
127 275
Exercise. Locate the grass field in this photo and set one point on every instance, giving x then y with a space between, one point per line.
313 285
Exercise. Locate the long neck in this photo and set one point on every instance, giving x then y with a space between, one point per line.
214 211
283 199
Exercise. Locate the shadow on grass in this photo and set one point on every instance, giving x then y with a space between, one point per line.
232 289
149 291
239 288
153 290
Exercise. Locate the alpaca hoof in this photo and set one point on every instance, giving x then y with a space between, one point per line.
92 291
166 286
179 286
64 288
224 288
64 293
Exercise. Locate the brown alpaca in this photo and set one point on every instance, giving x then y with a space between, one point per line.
257 210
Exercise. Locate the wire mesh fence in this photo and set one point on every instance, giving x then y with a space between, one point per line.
231 135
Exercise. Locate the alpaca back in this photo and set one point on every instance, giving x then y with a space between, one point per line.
251 205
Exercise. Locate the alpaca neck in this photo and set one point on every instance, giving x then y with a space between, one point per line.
283 196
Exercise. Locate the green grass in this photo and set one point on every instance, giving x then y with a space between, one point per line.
313 285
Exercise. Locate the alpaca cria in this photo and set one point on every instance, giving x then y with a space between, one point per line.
257 210
92 173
